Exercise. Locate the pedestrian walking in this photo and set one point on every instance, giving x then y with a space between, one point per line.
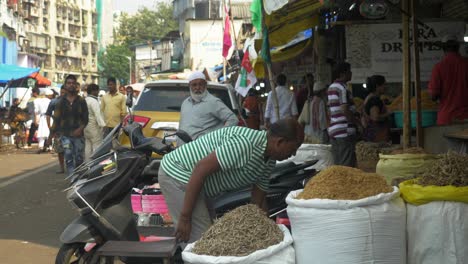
113 106
70 119
33 122
40 110
54 137
286 103
93 132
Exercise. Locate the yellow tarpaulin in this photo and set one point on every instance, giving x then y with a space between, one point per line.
293 18
283 25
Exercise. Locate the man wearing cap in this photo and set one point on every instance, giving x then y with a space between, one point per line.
449 83
202 112
314 115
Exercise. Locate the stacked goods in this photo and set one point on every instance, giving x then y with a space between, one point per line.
437 208
404 164
367 154
413 150
244 235
345 215
344 183
426 103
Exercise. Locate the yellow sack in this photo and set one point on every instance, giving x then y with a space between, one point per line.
402 165
417 194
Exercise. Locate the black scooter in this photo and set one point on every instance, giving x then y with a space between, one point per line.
100 191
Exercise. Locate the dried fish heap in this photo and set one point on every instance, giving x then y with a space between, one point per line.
344 183
450 169
240 232
437 204
337 212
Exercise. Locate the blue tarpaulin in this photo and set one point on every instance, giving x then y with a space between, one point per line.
12 72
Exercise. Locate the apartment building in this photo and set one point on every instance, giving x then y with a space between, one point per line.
65 35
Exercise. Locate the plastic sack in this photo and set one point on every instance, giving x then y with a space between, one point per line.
282 253
402 165
369 230
437 233
417 194
319 152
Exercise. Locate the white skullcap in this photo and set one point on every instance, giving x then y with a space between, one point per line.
48 92
196 75
319 86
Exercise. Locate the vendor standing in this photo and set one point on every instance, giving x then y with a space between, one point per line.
224 160
374 115
449 83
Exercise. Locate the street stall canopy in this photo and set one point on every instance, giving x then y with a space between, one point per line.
289 30
40 80
12 72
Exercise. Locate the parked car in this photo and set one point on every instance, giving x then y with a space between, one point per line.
157 108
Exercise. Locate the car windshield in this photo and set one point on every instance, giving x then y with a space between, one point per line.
170 98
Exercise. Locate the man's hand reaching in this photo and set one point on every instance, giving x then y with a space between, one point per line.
183 230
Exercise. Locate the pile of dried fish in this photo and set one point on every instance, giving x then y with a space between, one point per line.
240 232
450 169
344 183
413 150
369 151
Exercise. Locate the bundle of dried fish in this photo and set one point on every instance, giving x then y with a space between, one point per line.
240 232
413 150
344 183
369 151
450 169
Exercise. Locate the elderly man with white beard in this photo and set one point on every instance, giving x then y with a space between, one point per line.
202 112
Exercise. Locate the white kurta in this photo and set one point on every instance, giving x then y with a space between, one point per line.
40 108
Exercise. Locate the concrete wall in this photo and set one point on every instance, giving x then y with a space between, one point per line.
435 141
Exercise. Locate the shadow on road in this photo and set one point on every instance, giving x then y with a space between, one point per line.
35 209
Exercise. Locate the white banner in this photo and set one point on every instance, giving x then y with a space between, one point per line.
377 49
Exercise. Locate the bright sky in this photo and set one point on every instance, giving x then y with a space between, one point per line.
132 6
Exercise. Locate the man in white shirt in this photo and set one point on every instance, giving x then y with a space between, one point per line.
286 102
93 132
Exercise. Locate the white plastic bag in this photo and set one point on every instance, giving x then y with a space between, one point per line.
438 233
319 152
369 230
282 253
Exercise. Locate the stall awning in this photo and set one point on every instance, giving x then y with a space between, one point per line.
41 80
284 26
12 72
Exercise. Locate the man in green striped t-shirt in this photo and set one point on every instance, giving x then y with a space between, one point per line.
224 160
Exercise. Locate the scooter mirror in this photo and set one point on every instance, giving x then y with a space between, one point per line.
182 135
129 101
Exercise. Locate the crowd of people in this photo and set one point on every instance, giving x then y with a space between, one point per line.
74 122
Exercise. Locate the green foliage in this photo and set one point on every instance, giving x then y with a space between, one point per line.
114 62
146 25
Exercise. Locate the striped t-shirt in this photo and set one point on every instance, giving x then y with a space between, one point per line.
339 125
240 153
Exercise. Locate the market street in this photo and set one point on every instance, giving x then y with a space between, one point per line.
34 210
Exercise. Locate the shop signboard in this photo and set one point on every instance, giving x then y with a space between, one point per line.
377 48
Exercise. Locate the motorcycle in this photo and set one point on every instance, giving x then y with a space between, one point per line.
100 191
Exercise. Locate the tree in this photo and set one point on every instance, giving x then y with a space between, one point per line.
114 62
146 25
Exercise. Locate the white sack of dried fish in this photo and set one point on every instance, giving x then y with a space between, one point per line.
368 230
282 253
437 233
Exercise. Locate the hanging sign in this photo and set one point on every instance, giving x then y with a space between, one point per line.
377 48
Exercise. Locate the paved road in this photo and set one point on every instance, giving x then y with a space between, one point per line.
33 211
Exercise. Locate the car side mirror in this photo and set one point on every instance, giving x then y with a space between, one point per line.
182 135
129 101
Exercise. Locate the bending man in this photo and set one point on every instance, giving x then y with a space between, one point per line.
222 161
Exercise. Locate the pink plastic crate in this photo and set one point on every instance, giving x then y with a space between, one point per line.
136 203
154 204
